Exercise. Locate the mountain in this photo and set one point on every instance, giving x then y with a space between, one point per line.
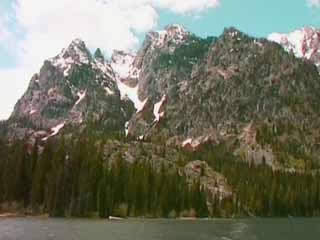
235 89
201 123
304 43
185 91
70 89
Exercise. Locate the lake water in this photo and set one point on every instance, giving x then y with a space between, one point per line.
248 229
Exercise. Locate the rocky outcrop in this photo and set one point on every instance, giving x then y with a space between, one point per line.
213 182
136 151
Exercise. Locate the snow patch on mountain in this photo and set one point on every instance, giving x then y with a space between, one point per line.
123 68
304 43
191 143
157 107
122 64
132 94
109 91
55 130
126 127
187 141
81 95
33 111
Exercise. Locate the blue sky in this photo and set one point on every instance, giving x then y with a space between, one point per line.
32 30
258 18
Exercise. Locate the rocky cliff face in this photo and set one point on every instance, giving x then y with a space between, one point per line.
229 89
72 88
182 90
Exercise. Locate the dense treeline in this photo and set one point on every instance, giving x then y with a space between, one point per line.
71 178
260 191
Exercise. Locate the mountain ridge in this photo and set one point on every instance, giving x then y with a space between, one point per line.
157 91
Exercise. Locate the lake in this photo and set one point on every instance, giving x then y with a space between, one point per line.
74 229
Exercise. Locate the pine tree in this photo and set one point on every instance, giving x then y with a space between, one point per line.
98 55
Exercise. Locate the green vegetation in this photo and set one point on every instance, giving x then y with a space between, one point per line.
288 143
71 178
81 75
74 178
260 191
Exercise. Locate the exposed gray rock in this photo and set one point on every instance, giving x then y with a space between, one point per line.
182 90
222 87
71 88
211 181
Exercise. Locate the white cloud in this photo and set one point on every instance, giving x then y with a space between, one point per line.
48 26
187 6
4 32
177 6
13 83
313 3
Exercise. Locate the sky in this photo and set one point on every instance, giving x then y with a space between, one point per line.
32 31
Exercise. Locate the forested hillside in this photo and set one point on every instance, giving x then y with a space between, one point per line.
73 177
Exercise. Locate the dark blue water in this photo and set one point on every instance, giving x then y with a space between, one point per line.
247 229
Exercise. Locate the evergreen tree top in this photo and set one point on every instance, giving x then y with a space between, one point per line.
98 54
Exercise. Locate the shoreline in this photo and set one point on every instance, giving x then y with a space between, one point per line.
110 218
116 219
11 215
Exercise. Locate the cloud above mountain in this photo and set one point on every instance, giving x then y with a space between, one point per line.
110 24
3 31
40 29
313 3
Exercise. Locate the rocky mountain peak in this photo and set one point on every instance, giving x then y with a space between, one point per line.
172 34
78 51
232 34
71 89
176 29
77 42
304 43
231 31
75 54
134 70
